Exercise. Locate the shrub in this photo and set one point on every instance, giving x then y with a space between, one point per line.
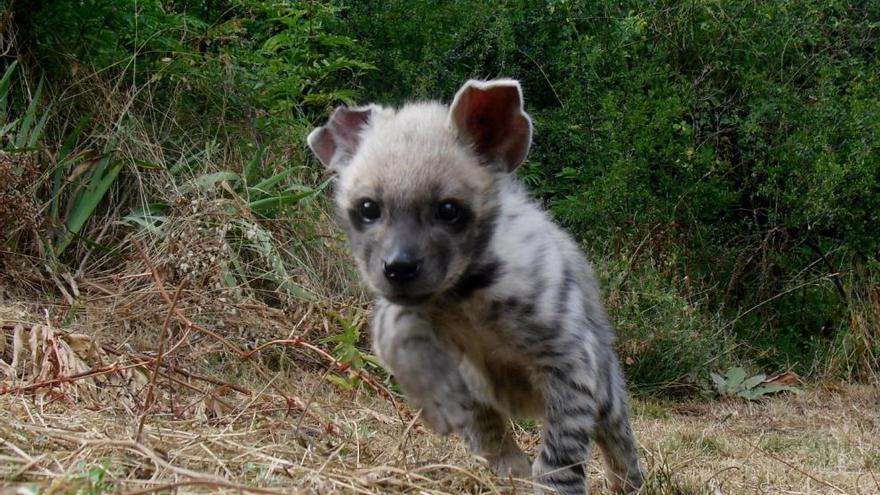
178 119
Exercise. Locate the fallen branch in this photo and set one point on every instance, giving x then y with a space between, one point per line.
103 370
293 403
208 379
148 400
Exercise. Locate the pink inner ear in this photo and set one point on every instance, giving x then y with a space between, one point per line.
492 118
337 141
347 123
321 142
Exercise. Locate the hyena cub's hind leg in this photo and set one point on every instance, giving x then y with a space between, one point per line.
569 422
622 471
615 438
429 375
578 413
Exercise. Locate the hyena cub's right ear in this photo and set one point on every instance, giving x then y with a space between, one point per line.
337 141
489 115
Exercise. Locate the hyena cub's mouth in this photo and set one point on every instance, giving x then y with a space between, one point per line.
406 299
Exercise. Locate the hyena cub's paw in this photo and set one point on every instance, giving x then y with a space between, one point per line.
562 480
630 485
447 415
511 464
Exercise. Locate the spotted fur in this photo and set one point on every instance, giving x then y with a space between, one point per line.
494 314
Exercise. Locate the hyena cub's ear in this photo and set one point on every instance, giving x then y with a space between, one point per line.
489 115
337 141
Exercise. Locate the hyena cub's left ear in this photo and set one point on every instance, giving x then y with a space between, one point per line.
489 115
337 141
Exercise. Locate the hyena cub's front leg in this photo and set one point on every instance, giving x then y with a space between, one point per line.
428 372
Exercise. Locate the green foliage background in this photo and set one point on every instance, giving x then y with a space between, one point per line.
729 150
719 159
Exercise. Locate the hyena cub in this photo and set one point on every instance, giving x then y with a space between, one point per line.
485 308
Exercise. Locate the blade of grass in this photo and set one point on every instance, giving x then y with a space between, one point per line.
250 172
7 128
264 186
24 130
37 132
268 205
64 163
4 89
149 217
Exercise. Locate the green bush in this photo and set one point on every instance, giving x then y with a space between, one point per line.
183 122
269 62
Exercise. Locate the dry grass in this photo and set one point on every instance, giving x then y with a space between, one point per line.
276 424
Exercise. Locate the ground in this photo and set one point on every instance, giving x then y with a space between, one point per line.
278 422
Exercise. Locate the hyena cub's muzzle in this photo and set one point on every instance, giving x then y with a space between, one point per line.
404 274
410 265
410 248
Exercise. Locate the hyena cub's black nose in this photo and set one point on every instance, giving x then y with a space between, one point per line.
401 268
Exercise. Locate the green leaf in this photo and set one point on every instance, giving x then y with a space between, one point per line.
340 382
4 90
149 217
374 360
263 188
748 394
250 173
720 383
267 205
100 182
8 127
753 381
735 377
65 163
146 165
37 132
275 42
209 181
30 115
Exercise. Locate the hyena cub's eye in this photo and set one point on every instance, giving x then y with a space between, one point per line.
369 210
449 211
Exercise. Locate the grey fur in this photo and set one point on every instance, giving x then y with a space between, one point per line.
504 317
